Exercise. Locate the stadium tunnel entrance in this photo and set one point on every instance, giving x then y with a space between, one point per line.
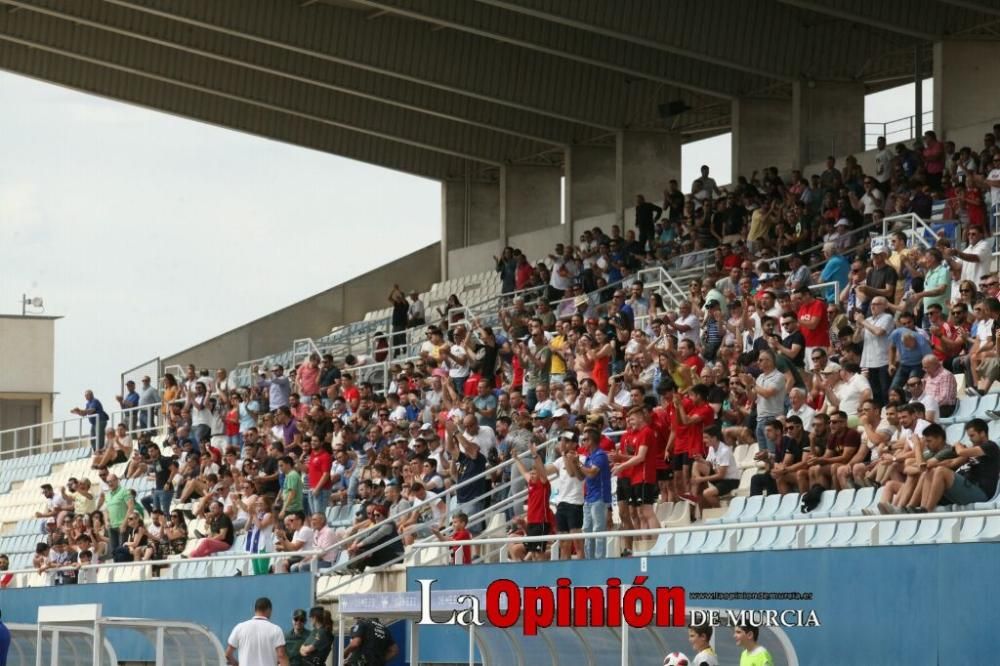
494 646
77 635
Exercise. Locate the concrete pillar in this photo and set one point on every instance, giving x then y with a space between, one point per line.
762 136
645 162
828 117
532 198
965 91
590 181
470 214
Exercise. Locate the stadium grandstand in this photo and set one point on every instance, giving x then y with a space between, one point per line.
787 384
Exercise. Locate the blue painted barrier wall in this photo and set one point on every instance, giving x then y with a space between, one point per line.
912 605
217 603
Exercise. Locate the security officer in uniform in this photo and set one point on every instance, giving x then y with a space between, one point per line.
295 637
371 644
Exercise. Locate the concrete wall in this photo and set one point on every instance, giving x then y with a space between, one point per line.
649 160
474 223
830 119
762 136
478 258
473 259
592 177
314 316
27 354
534 199
965 91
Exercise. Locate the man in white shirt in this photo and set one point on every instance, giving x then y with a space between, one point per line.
302 536
568 487
974 260
590 400
797 397
874 332
258 641
415 312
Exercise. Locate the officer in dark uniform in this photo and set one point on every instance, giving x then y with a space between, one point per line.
371 644
295 637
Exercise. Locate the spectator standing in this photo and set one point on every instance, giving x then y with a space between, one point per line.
874 332
291 490
597 494
148 397
646 215
415 310
98 418
117 501
129 402
770 391
258 641
278 387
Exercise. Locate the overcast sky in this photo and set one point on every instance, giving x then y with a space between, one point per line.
150 233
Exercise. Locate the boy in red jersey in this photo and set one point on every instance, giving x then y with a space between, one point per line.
660 419
538 502
692 415
640 444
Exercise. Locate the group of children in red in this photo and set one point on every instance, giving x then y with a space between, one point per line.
653 459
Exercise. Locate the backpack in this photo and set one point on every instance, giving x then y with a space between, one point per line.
812 498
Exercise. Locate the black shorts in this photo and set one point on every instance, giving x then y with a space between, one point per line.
644 493
534 530
664 474
680 460
726 486
569 517
624 491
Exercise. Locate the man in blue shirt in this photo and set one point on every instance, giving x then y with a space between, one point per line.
908 346
130 401
837 269
98 418
596 493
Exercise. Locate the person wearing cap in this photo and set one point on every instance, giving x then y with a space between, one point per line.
295 637
882 278
381 539
569 481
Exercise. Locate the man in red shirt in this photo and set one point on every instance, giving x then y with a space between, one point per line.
350 392
318 466
693 415
538 502
660 420
639 450
813 322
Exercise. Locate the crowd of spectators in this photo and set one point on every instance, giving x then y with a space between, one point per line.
834 353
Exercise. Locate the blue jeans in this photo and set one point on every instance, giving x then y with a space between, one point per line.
904 372
158 499
595 519
762 442
319 500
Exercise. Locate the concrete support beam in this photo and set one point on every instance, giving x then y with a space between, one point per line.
470 214
965 90
590 181
644 163
828 119
762 136
532 199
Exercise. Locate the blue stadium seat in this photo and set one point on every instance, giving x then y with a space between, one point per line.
863 499
966 408
987 402
823 508
841 505
751 509
905 534
736 506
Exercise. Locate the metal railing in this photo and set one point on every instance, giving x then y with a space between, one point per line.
730 544
899 129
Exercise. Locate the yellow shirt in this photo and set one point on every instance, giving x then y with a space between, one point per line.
558 364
